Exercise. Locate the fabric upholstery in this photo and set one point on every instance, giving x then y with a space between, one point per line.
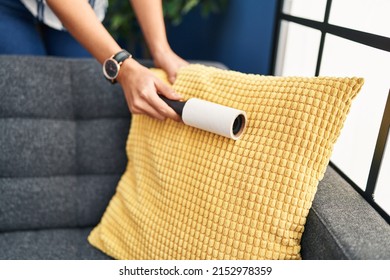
342 225
49 244
191 194
63 131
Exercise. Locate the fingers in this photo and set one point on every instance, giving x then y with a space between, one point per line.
171 77
169 61
141 86
148 102
143 107
163 108
166 90
172 70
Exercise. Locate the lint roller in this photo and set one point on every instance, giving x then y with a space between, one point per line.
209 116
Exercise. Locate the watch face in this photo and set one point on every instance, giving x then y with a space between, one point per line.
111 68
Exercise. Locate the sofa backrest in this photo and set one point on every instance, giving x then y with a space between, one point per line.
63 130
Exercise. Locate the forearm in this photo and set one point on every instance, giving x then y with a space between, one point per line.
139 84
80 20
150 16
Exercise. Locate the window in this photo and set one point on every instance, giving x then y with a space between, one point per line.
346 38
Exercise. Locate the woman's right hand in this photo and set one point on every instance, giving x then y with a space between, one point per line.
141 86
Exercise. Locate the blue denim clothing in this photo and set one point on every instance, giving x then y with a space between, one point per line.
22 34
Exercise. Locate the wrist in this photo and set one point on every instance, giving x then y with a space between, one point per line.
128 67
113 65
160 51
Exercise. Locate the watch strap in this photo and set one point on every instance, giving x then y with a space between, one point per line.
121 56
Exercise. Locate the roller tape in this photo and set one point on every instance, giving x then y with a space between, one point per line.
209 116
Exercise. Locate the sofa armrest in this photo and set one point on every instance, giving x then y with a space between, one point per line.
342 225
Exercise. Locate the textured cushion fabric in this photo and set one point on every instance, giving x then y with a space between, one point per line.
342 225
49 244
191 194
63 131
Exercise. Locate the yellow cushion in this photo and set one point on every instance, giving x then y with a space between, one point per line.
191 194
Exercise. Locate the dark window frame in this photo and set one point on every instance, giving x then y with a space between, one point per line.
367 39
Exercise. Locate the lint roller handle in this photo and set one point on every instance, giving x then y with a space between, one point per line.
176 105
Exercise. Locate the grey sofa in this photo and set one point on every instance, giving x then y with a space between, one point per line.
63 130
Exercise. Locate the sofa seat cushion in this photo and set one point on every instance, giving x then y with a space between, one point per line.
49 244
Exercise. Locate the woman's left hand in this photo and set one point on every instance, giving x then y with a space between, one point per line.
170 62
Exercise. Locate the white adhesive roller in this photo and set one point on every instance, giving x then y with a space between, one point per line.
209 116
212 117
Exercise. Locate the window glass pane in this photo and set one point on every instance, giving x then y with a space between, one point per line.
299 56
355 147
310 9
382 191
365 15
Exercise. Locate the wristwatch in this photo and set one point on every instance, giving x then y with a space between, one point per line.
112 65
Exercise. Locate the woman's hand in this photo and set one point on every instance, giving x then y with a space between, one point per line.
141 86
169 61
